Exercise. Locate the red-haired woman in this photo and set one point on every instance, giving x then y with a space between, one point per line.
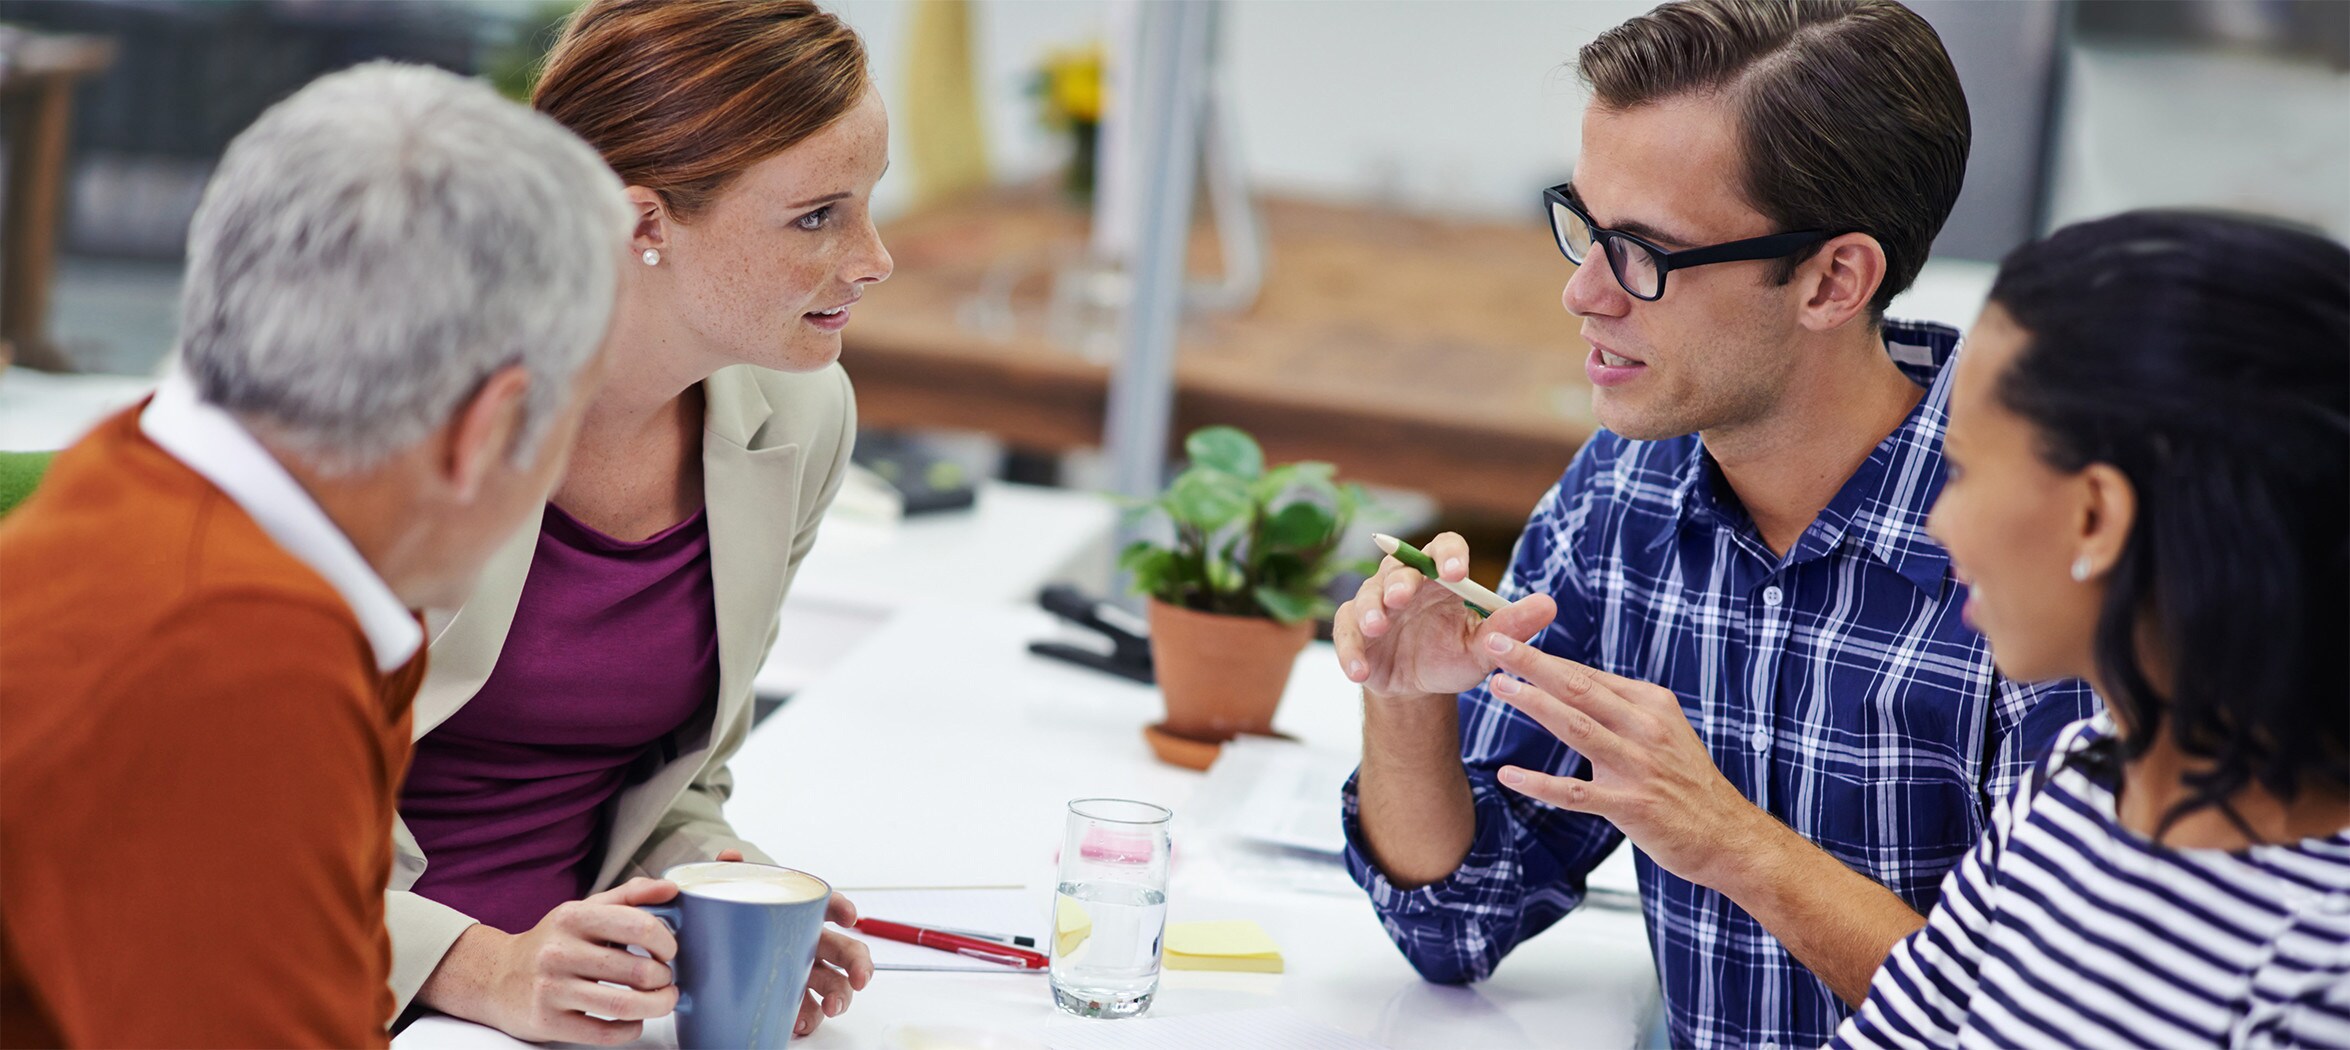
581 707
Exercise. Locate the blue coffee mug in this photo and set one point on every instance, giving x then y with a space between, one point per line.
746 939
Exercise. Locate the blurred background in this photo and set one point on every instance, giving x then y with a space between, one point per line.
1371 280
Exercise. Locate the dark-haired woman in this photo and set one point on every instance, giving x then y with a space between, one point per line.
2150 451
574 731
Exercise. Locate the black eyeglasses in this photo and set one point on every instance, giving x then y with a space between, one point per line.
1640 266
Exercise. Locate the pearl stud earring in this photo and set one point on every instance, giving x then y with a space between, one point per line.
652 256
2081 569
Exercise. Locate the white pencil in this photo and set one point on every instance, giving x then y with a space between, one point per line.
1471 591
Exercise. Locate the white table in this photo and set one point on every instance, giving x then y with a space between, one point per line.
1006 547
939 753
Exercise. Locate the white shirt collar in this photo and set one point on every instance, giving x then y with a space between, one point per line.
213 444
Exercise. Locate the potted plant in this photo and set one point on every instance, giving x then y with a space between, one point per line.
1234 595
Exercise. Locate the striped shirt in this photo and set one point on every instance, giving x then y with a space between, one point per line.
1836 687
2064 928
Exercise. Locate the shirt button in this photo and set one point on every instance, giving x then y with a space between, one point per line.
1760 739
1772 596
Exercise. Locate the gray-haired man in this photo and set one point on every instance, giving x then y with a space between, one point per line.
398 287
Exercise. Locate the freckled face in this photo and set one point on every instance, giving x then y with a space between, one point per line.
767 273
2009 520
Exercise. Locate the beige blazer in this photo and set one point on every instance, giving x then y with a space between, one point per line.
775 446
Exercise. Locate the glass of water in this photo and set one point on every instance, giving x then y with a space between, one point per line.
1110 907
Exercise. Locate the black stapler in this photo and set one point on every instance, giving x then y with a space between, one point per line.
1130 644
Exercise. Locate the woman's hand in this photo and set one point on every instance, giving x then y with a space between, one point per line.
542 984
843 965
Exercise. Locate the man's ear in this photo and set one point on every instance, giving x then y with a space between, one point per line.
652 220
484 431
1839 280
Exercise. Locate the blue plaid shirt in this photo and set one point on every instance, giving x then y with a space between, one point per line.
1836 687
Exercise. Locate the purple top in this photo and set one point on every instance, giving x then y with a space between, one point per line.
614 647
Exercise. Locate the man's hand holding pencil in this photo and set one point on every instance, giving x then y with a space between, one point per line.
1411 632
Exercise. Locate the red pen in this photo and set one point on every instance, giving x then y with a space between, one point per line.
974 947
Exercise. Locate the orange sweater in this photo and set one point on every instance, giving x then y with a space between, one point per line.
198 767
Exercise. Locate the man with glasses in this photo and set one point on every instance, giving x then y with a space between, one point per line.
1732 641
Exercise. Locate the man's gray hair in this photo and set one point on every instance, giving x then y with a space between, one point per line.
376 246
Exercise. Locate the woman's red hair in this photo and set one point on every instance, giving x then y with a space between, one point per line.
681 96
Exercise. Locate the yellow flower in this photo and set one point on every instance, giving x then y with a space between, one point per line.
1074 85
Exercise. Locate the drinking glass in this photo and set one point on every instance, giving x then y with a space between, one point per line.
1110 907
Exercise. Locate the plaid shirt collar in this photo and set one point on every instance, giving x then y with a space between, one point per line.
1875 510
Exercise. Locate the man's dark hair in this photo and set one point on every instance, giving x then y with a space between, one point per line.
1850 116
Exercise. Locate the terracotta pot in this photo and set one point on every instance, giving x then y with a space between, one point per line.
1222 675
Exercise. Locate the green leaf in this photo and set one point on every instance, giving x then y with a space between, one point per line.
1287 607
1283 569
1141 554
1225 449
1298 525
1279 480
1150 565
1206 500
1224 577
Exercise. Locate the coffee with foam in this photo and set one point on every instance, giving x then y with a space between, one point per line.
748 883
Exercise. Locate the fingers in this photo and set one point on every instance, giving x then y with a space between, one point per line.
730 854
831 986
620 1004
598 963
1451 554
1570 793
1573 726
1560 679
840 911
598 923
811 1014
1398 584
1370 599
636 891
580 1028
849 954
1520 620
1346 636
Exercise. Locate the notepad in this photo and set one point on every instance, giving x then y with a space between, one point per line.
1236 945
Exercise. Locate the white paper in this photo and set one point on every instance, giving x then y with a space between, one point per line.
1280 793
1273 1029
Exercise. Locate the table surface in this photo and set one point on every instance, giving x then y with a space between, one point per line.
940 753
1003 549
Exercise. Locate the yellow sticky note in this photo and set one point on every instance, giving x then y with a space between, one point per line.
1228 944
1071 925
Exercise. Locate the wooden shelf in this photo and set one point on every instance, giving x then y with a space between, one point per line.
1410 351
